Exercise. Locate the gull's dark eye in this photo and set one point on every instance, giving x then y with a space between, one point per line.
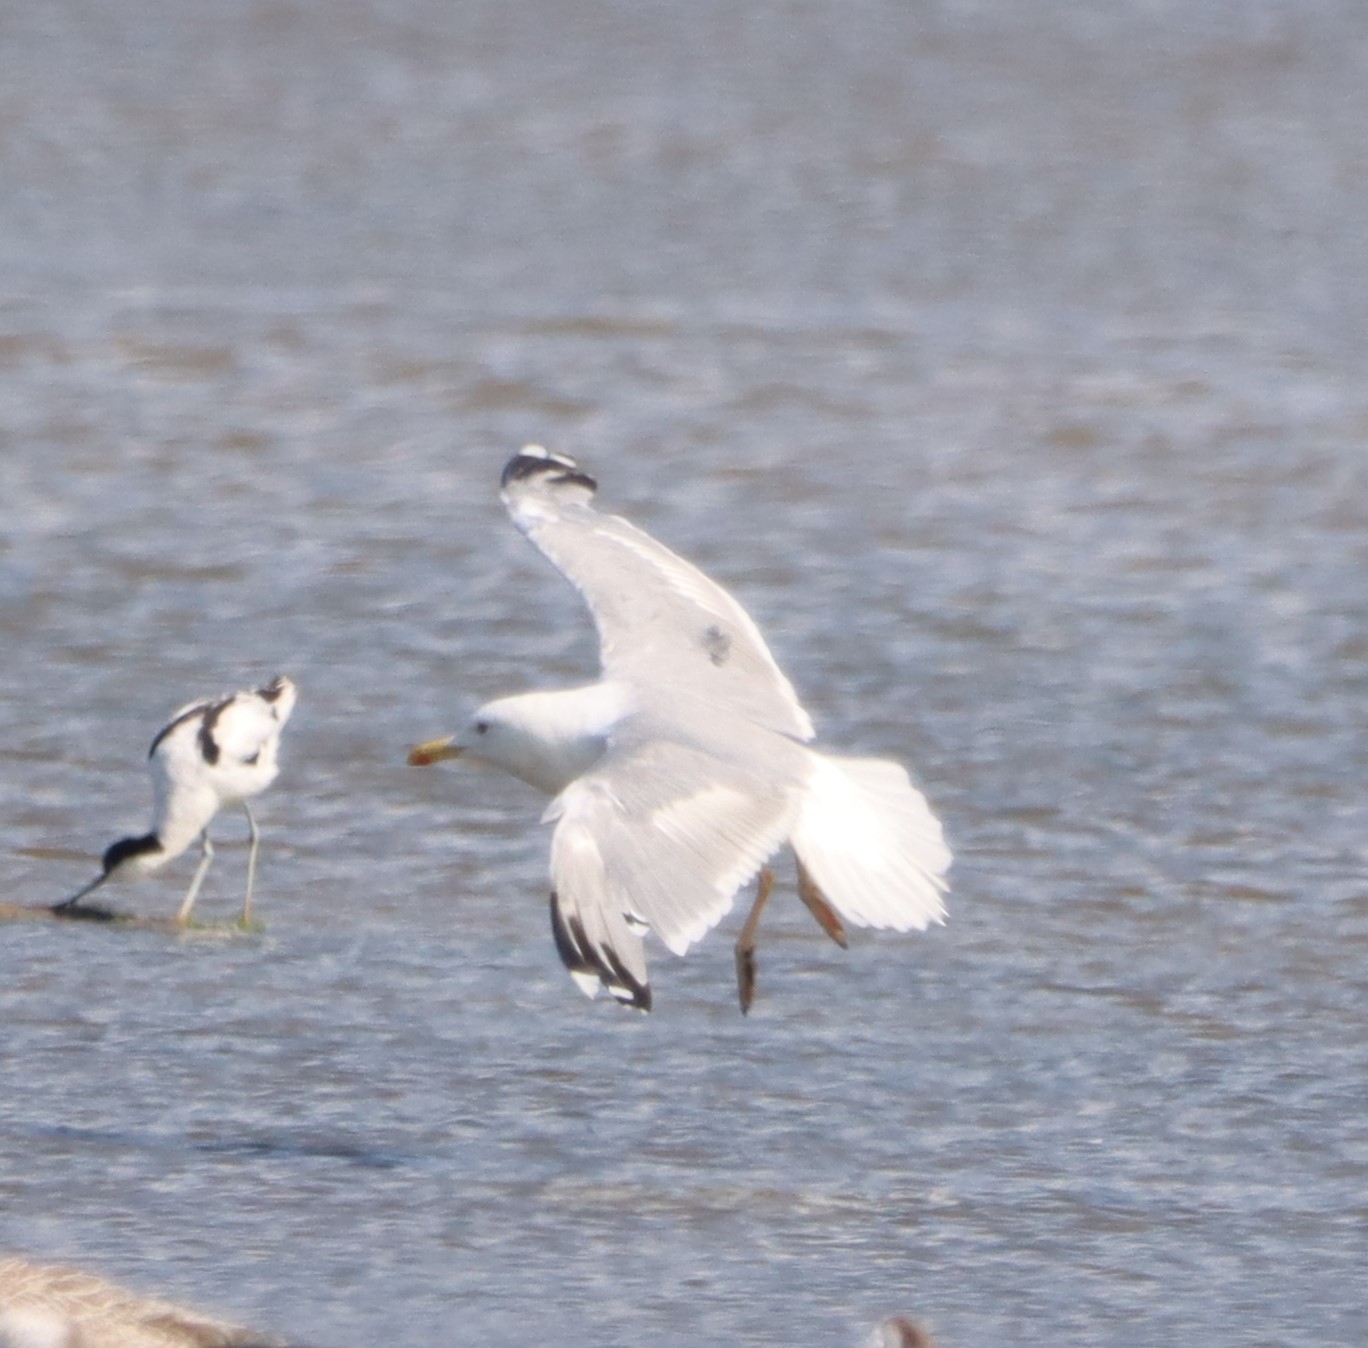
481 727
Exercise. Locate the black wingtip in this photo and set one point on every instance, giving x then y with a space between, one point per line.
533 461
624 988
569 952
581 956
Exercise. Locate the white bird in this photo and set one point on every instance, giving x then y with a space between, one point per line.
51 1306
899 1332
212 753
685 767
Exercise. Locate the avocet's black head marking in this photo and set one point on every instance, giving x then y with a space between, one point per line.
534 461
273 690
128 848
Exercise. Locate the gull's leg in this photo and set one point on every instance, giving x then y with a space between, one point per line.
745 943
818 906
251 864
206 856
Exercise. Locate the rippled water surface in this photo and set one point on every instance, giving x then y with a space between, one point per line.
1005 360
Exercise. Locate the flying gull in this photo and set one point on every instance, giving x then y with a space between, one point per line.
678 774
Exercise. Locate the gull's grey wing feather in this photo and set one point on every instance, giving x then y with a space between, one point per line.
660 620
659 835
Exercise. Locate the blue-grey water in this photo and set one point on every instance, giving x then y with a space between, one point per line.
1006 360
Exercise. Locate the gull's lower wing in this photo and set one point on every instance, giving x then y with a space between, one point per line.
660 620
659 836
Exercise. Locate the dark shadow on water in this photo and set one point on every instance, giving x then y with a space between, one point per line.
275 1146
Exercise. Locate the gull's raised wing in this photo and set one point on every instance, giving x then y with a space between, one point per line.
661 622
659 836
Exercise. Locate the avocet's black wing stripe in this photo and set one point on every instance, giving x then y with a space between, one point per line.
179 719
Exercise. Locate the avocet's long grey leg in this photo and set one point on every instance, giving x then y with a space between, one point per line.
745 943
251 863
818 906
67 905
206 856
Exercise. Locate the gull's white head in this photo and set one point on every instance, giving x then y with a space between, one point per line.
496 734
543 739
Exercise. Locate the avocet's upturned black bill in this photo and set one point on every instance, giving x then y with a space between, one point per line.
212 753
681 771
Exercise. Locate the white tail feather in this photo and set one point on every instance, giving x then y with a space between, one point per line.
869 840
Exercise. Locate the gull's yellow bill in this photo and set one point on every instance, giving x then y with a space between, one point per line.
434 751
